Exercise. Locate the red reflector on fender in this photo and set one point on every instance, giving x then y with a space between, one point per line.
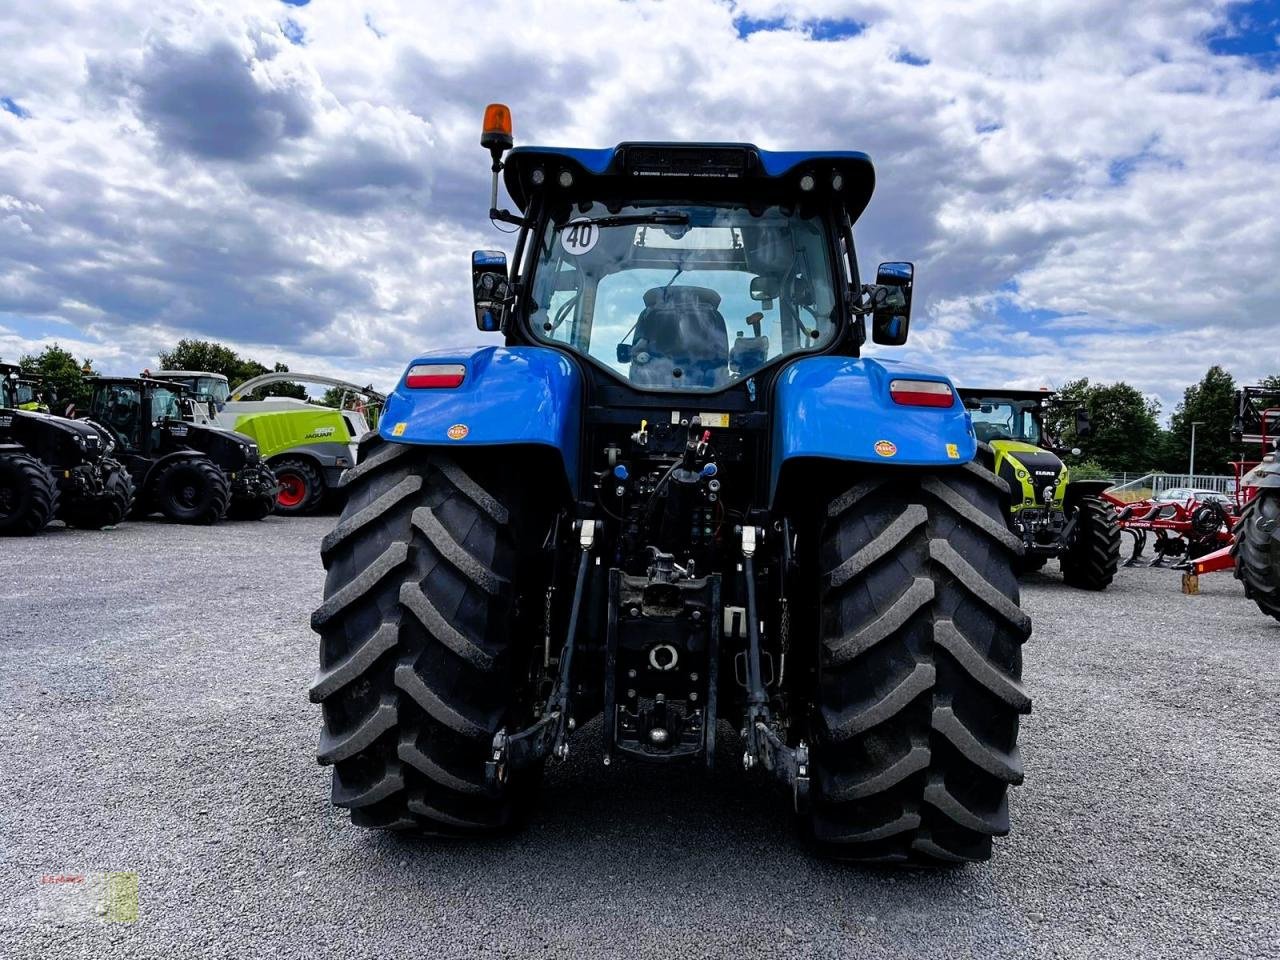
921 393
435 375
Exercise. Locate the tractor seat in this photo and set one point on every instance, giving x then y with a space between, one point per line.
986 432
680 329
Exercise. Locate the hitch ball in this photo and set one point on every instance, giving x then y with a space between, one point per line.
658 736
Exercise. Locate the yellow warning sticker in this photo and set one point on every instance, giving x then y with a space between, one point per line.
398 429
953 451
718 420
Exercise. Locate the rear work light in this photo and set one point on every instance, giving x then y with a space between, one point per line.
435 375
921 393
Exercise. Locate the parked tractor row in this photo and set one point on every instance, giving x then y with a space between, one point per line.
178 446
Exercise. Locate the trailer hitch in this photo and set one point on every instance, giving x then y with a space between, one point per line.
764 743
549 735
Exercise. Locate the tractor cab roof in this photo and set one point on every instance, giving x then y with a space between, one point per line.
669 171
140 382
1005 393
192 373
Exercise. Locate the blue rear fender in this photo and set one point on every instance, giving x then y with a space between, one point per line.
839 408
509 396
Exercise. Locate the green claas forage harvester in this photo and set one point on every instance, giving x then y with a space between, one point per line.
675 496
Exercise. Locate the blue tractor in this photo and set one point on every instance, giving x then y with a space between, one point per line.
679 499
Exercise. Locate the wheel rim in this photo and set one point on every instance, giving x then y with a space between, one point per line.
293 490
188 494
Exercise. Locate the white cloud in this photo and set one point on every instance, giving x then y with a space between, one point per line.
188 170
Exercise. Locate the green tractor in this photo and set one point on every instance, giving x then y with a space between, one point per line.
189 472
1053 515
308 445
53 468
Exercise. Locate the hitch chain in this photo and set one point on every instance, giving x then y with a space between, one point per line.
764 743
549 736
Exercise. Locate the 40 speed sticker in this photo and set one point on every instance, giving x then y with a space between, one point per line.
886 448
579 236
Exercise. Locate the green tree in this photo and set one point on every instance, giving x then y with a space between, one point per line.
62 373
1126 431
1126 435
1211 404
1060 416
208 356
333 397
218 358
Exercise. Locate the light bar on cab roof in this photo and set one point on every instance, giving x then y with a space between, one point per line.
921 393
429 376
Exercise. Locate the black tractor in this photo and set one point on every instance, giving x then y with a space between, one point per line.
189 472
51 467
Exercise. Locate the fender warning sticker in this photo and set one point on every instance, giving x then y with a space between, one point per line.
886 448
458 431
953 451
398 429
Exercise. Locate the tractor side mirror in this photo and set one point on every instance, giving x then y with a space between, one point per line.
489 288
891 303
1084 426
764 290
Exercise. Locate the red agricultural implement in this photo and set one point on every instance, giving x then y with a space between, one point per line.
1241 532
1179 530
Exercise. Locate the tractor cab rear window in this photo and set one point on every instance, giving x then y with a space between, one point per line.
1006 420
684 296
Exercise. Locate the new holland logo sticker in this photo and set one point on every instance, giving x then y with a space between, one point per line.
458 431
886 448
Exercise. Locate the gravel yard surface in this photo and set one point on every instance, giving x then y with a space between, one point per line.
154 719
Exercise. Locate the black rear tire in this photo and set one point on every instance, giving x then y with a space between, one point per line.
28 495
108 508
192 490
915 742
1091 560
302 487
1257 551
421 658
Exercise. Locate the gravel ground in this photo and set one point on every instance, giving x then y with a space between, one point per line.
153 718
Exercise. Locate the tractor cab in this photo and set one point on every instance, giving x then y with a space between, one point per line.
20 391
208 391
143 414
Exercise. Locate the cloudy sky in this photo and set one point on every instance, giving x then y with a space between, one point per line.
1089 188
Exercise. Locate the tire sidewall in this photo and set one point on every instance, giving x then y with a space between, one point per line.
14 481
169 492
